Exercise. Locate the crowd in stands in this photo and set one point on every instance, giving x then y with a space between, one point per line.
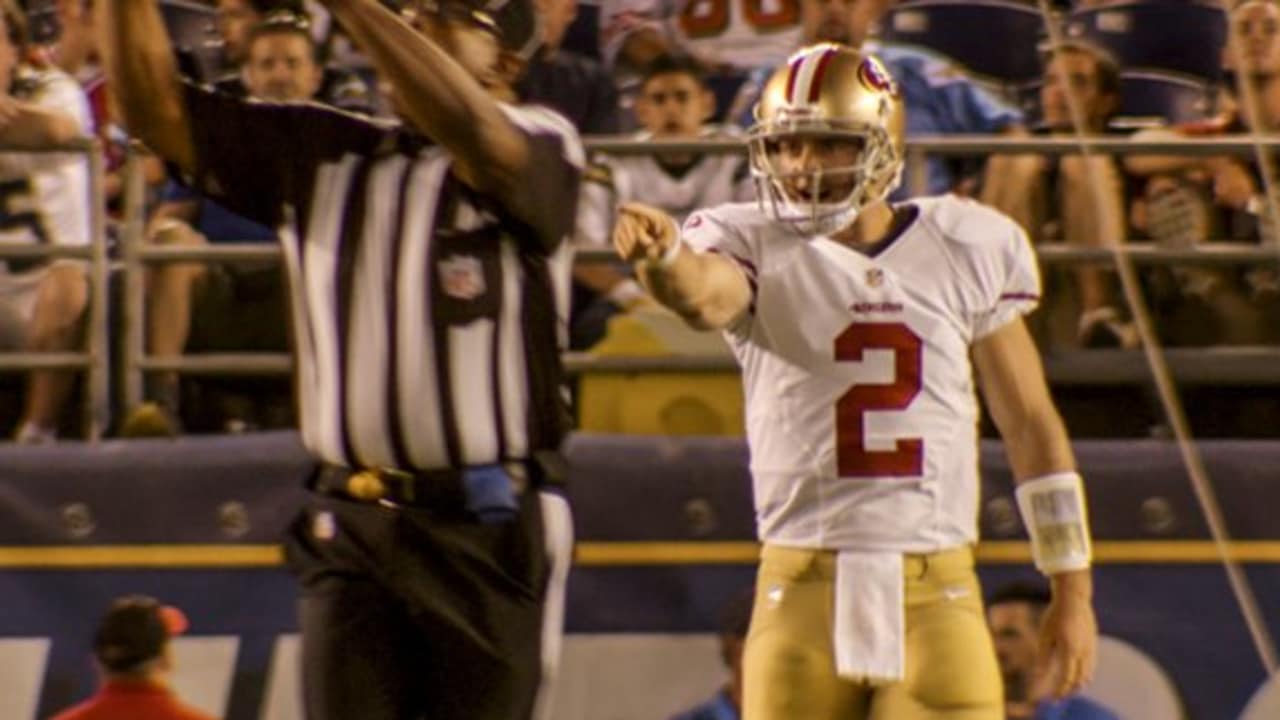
1150 69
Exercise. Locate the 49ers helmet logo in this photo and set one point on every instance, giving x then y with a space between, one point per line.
873 76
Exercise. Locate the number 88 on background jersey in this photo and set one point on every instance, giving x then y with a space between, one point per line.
743 34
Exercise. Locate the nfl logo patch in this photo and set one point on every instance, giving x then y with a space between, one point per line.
462 277
875 277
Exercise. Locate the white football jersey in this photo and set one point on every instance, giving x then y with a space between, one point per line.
744 34
44 197
712 180
861 410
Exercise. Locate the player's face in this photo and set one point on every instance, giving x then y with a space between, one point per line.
815 168
1075 73
235 19
1014 634
282 67
1257 37
841 21
674 105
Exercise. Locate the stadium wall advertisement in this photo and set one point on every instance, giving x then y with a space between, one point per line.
664 542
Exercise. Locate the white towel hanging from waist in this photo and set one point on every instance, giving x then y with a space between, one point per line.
869 623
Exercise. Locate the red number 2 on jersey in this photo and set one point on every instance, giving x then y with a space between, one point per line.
853 459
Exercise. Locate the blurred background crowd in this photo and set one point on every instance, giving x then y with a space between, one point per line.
664 70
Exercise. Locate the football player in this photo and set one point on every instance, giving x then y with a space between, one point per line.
860 327
44 199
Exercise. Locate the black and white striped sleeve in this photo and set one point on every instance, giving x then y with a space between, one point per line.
547 198
258 156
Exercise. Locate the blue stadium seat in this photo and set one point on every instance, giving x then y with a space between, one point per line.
725 87
1185 36
1175 98
1147 97
994 38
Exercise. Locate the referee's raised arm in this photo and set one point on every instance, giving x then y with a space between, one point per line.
143 75
444 102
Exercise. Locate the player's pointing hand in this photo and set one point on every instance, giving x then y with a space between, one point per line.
643 233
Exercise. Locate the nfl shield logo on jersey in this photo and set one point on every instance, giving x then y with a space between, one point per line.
462 277
875 277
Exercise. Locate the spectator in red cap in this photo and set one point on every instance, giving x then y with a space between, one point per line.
132 649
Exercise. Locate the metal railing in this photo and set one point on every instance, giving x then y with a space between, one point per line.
93 360
964 145
1227 365
1144 253
1245 365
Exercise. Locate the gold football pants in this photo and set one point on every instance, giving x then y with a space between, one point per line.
951 671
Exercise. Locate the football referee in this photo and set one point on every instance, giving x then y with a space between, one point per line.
428 276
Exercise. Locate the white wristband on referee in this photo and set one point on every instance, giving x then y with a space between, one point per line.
1057 520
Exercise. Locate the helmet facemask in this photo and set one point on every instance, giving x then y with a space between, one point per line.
873 174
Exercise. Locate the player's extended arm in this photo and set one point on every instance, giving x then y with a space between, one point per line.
1013 384
440 98
708 290
144 78
27 125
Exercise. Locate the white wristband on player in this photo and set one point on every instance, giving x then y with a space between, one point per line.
1057 520
671 253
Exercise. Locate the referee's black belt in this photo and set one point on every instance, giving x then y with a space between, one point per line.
477 488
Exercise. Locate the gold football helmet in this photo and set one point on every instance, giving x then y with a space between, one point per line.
826 92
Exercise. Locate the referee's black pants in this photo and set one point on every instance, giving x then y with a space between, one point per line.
414 613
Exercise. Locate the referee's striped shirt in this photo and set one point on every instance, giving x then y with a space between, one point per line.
427 319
